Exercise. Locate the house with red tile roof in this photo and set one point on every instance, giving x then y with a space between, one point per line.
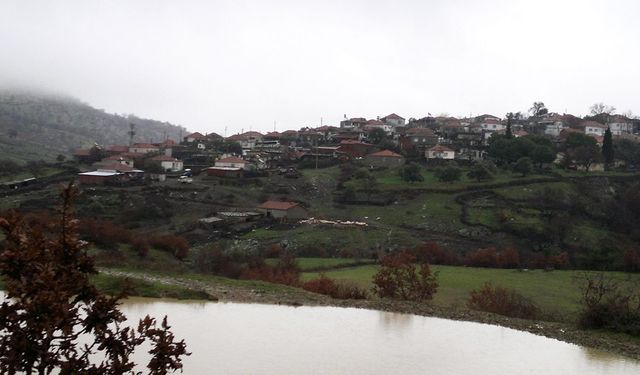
195 137
232 162
393 120
355 149
167 163
143 148
247 140
384 159
283 210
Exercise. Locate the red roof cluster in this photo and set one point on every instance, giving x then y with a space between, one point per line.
277 205
386 153
232 159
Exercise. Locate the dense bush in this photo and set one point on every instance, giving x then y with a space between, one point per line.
606 306
482 258
286 271
140 246
432 253
327 286
502 301
214 261
632 261
399 278
104 233
176 245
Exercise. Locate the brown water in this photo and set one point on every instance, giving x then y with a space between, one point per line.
231 338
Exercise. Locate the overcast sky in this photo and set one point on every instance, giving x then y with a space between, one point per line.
238 64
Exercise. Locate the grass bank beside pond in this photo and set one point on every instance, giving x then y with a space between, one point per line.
557 292
112 285
229 290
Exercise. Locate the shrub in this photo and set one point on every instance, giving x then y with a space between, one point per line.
327 286
104 233
286 271
140 246
482 258
448 173
502 301
399 278
508 258
214 261
632 261
176 245
432 253
558 261
606 306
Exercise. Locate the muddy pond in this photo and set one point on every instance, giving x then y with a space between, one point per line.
233 338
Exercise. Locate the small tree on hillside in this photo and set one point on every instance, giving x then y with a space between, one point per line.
483 170
411 173
54 321
509 133
523 165
607 148
449 173
399 278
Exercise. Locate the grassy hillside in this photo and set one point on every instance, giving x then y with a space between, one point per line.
35 126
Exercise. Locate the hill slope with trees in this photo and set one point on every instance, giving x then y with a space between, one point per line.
37 126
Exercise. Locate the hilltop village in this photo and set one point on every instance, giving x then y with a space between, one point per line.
386 142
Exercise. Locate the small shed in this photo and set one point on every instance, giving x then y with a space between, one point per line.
101 177
225 172
283 210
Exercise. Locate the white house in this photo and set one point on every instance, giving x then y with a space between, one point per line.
492 125
593 128
393 120
168 163
440 152
143 148
620 125
232 162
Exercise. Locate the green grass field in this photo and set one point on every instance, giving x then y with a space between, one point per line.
310 264
558 293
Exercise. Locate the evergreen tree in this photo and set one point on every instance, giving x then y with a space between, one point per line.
509 133
607 147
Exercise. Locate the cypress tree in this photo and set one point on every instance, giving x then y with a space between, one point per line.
607 147
509 133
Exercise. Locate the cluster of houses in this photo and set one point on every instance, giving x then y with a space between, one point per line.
381 142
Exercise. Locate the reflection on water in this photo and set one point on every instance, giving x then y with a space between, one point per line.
229 338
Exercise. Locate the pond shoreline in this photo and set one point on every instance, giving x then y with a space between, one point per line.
228 292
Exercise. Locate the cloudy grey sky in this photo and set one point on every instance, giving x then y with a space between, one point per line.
239 64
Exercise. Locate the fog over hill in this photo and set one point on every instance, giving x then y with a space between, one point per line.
40 125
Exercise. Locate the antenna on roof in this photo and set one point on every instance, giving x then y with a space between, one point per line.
320 121
225 132
274 125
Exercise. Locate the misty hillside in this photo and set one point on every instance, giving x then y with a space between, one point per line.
37 126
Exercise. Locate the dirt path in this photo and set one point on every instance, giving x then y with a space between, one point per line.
258 293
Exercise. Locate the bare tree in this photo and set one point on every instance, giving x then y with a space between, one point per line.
538 109
601 108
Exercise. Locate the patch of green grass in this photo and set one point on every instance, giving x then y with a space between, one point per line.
533 190
307 264
112 285
557 292
334 239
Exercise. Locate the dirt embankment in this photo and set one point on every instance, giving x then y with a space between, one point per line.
619 344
